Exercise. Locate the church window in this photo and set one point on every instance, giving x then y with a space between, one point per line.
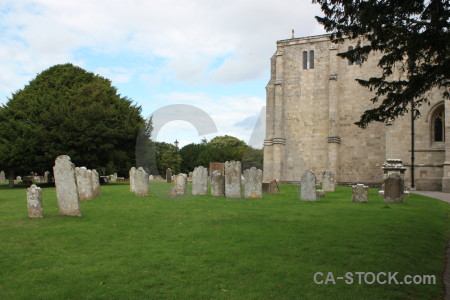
438 124
305 60
311 59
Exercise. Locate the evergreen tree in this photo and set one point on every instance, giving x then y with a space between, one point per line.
412 35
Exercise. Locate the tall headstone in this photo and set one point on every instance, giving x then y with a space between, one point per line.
233 188
217 184
140 182
132 172
360 193
34 201
180 183
308 186
328 181
169 175
2 177
84 183
191 174
200 181
95 183
253 183
46 176
394 188
66 186
150 178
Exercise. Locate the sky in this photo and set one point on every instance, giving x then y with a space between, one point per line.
206 62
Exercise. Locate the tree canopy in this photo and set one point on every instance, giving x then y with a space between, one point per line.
412 35
67 110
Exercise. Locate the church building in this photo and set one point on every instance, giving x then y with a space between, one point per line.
313 101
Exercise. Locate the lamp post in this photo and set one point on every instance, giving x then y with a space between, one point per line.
176 155
412 146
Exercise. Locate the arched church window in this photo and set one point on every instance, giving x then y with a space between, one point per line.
311 59
438 123
305 60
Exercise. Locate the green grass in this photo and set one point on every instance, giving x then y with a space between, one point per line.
127 247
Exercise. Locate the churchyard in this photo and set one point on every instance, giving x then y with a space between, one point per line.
128 245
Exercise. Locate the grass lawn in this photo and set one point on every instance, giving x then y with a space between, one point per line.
203 247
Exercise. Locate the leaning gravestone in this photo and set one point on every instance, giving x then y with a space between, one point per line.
328 181
200 181
2 177
84 183
393 188
131 173
233 188
360 193
308 186
66 186
140 182
34 201
217 184
180 183
95 183
169 175
270 187
46 176
253 183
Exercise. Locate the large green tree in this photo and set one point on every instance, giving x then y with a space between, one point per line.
67 110
412 35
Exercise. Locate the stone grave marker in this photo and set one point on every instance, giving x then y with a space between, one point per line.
217 184
233 188
66 186
253 183
308 186
200 181
34 201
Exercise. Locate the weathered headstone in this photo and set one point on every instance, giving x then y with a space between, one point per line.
19 179
180 183
360 193
200 181
131 174
270 187
217 184
66 186
308 186
95 183
253 183
46 176
150 178
393 188
34 201
191 174
173 192
84 183
169 175
114 177
140 182
2 177
320 193
328 181
233 188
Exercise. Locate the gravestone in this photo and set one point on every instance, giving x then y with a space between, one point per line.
95 183
217 184
66 186
320 193
360 193
253 183
150 178
233 188
34 201
173 192
200 181
131 173
19 179
190 176
2 177
84 183
140 182
169 175
114 177
393 188
328 181
180 183
46 176
270 187
308 186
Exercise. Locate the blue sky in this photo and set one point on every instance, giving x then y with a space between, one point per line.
212 55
